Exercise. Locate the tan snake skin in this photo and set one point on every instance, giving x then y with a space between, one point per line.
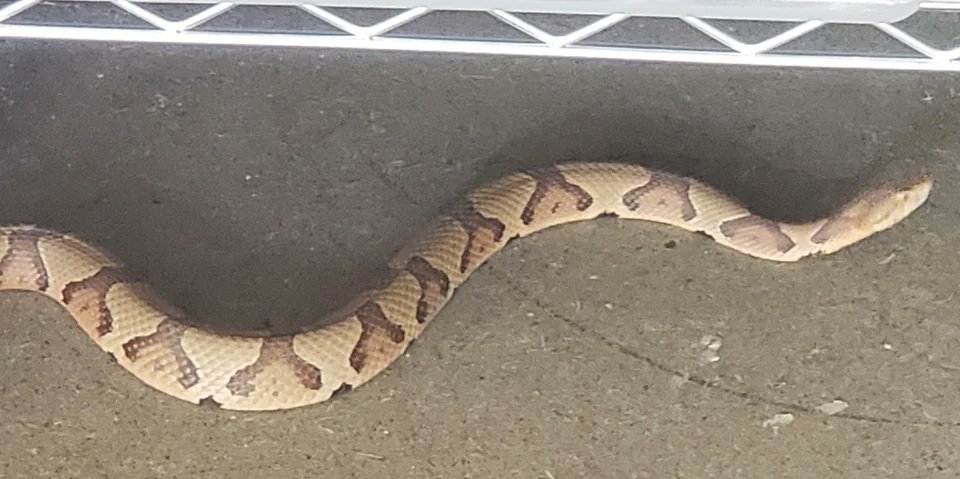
148 337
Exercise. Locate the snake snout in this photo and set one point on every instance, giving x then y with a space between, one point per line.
896 202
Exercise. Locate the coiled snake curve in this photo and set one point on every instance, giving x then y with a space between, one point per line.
148 336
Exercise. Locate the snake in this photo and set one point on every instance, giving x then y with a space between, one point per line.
154 340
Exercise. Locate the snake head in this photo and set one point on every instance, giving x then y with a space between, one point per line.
887 205
869 213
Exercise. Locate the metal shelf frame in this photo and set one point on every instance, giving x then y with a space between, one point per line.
725 46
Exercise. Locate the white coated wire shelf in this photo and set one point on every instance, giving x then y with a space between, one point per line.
928 39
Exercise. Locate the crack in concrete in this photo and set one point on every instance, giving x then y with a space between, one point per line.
650 361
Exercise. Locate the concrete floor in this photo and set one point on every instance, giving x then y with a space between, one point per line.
261 188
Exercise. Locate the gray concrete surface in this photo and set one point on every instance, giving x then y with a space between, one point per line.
262 187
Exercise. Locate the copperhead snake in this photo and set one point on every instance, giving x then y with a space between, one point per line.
150 338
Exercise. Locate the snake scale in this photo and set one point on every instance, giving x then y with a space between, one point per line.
150 338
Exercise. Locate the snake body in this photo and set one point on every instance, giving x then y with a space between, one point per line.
150 338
